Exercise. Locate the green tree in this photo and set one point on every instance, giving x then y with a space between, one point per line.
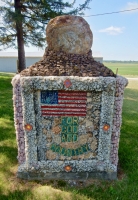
24 22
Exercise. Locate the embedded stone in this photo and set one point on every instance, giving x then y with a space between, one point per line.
70 34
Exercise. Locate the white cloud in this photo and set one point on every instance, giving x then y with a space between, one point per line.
131 5
112 30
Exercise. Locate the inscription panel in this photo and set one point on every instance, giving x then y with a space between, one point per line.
70 125
70 152
69 129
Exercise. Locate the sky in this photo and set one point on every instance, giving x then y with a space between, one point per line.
115 36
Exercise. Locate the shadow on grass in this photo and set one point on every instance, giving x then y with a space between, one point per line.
9 153
17 195
5 82
6 104
130 113
7 133
128 147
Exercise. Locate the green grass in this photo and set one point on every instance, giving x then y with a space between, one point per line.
130 69
125 188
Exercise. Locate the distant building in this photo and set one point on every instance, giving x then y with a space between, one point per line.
8 60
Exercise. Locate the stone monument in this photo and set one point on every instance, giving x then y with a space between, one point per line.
67 109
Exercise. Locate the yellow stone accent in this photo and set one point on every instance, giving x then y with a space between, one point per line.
56 129
50 155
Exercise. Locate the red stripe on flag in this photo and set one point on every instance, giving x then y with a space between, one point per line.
65 106
63 111
72 102
71 98
65 114
71 94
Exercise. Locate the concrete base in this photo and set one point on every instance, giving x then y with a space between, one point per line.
67 175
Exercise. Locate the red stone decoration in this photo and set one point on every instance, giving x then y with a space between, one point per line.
106 127
67 83
28 127
68 168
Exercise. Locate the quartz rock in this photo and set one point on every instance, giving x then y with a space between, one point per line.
70 34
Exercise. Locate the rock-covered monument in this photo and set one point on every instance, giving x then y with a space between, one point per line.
67 109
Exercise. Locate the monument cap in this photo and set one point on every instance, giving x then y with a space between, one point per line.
71 34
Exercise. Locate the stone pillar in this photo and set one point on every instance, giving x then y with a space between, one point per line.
67 109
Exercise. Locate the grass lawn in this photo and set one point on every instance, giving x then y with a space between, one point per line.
125 188
127 69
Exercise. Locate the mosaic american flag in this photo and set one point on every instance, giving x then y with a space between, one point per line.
63 103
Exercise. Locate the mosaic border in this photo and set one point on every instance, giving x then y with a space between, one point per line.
106 85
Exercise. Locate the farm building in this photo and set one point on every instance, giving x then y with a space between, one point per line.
8 60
